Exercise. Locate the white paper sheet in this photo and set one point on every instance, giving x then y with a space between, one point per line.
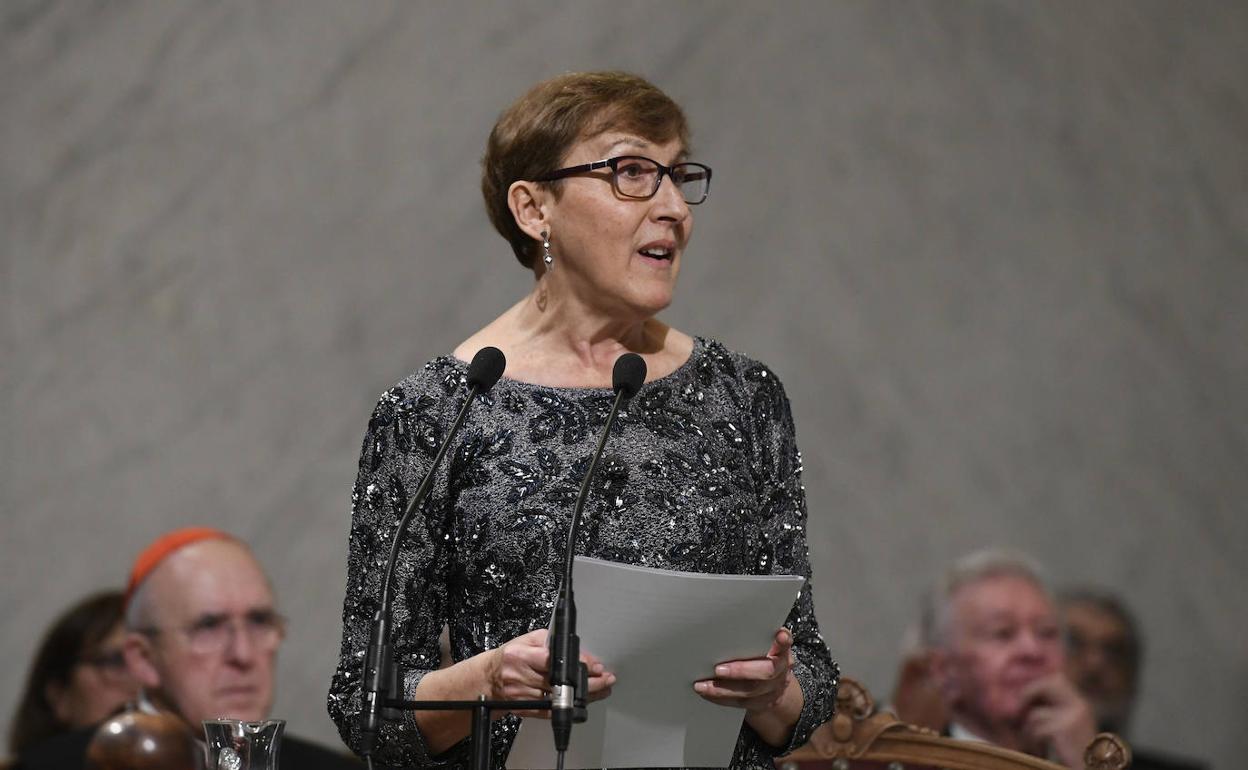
660 631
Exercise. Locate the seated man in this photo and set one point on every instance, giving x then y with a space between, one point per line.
916 697
202 638
995 642
1103 657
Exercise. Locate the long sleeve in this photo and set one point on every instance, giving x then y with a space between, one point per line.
403 434
703 476
777 468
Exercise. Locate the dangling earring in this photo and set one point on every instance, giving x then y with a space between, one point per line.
547 257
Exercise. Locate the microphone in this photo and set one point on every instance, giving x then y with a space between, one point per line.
486 368
381 679
568 689
628 375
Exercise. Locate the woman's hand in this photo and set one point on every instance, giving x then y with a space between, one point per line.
765 687
520 670
755 684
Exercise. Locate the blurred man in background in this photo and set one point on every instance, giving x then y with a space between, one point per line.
997 657
1103 658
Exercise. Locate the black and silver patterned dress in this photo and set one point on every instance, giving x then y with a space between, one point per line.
701 474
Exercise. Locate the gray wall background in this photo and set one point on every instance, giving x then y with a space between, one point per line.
996 250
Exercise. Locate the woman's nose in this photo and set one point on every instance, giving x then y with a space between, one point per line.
669 201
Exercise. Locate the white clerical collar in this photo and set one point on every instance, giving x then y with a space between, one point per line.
145 705
960 732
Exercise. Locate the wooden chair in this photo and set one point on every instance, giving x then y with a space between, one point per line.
859 738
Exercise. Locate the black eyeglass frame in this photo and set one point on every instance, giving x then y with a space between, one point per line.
614 163
114 659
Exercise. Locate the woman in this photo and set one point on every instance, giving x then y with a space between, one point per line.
586 177
79 677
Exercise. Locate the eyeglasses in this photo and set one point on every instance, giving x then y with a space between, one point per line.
110 664
639 177
213 633
1118 650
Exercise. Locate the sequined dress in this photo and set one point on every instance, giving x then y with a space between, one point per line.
701 474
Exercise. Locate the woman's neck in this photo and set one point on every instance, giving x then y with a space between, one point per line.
568 344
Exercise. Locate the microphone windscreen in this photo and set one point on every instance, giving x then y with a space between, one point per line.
628 375
486 367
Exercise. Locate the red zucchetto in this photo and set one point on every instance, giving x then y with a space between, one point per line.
165 546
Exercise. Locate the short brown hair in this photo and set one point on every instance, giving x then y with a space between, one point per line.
533 135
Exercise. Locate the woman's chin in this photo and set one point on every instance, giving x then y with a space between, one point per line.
654 296
651 306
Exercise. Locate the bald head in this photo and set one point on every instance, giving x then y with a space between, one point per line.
206 569
204 633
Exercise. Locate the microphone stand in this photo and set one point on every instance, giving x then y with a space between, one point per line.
568 702
569 677
381 681
481 708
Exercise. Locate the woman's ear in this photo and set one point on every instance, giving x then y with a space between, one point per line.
57 697
529 206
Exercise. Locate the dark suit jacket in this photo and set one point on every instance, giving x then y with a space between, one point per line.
69 752
1144 759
